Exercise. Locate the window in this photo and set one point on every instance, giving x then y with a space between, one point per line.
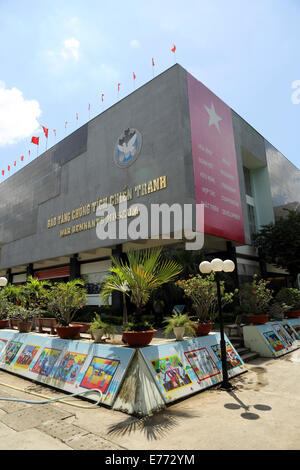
247 178
252 220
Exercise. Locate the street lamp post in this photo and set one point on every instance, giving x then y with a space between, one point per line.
228 266
3 281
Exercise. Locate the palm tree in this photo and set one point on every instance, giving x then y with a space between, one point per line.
137 278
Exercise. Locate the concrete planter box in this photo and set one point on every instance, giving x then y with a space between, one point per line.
42 323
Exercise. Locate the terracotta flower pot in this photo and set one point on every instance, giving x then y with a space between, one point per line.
3 324
24 326
68 332
138 339
13 323
293 314
258 319
203 329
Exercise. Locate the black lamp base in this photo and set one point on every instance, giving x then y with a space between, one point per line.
226 386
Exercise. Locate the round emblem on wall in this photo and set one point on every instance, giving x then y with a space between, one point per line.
127 148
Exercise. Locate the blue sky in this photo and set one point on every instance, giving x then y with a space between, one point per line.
56 57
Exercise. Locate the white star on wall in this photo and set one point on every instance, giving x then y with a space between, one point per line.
214 119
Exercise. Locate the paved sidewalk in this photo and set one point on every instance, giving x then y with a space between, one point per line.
263 412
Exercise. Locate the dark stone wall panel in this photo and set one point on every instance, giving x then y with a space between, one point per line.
71 147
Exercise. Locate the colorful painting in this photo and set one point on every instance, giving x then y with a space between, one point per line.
290 330
231 357
202 363
10 352
2 344
26 357
171 373
69 367
99 373
283 335
273 341
297 329
46 361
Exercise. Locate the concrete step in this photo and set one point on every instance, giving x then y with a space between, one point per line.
249 356
242 350
236 339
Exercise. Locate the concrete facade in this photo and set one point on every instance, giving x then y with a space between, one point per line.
80 171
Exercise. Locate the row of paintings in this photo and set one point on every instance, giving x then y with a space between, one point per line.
78 369
281 337
191 365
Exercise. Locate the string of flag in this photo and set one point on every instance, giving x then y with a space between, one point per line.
36 139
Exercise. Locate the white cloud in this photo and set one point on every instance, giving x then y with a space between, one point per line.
71 49
18 117
135 43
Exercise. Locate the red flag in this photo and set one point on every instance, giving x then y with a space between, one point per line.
134 76
153 64
173 48
45 131
22 158
8 168
54 130
66 124
89 107
102 96
15 163
35 140
77 116
2 172
119 86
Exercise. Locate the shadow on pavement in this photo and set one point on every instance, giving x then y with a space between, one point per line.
153 427
240 405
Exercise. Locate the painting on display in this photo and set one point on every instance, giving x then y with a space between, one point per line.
296 328
45 363
290 331
233 359
26 357
202 363
10 352
283 335
69 367
3 343
99 373
273 340
171 373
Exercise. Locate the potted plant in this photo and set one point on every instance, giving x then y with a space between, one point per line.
256 299
201 292
179 323
4 310
24 316
64 300
137 277
35 291
278 310
291 297
99 328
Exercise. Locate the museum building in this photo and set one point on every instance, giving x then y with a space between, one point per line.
172 141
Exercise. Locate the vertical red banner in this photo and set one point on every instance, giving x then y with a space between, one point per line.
215 166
